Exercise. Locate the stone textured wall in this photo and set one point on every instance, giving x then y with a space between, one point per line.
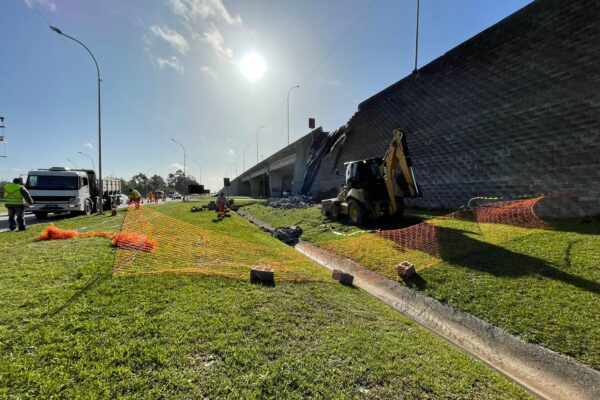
513 111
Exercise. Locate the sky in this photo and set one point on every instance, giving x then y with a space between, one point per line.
173 69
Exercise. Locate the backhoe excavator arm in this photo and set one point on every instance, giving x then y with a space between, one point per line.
397 161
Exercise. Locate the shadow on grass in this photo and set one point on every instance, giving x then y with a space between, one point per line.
454 246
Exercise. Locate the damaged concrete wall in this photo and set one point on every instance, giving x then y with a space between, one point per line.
513 111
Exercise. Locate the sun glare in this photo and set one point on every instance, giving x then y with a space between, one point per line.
253 66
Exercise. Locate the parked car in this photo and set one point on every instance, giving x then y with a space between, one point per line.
176 196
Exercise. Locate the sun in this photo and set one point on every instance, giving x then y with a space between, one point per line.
253 66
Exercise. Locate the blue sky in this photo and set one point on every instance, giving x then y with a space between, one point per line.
170 69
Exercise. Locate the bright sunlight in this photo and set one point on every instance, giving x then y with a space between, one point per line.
253 66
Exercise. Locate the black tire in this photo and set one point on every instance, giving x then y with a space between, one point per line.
356 212
41 215
87 208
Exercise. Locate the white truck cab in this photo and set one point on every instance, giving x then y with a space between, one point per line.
59 190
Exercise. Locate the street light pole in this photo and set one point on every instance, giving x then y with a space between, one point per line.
100 187
288 114
91 159
71 161
184 175
258 130
244 158
183 148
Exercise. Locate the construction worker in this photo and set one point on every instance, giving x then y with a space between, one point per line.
15 195
135 197
222 202
150 197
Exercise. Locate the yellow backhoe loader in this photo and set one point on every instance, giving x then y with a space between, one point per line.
375 188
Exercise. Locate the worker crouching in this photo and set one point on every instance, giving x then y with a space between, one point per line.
222 202
135 198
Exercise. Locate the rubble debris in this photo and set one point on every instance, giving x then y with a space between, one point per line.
197 209
405 269
262 275
212 205
289 235
286 203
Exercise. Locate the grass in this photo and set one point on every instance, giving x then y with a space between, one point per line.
541 285
68 329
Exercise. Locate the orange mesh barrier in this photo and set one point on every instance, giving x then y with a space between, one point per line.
183 248
440 239
124 240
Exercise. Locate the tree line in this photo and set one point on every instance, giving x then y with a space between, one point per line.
177 182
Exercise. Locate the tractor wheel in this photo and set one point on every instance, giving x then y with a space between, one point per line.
356 212
87 208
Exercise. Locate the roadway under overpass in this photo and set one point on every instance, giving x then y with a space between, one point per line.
281 172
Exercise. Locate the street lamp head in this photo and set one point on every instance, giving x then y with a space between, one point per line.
55 29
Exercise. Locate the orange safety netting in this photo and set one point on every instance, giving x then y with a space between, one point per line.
183 247
442 238
124 240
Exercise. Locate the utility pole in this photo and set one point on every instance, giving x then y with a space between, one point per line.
100 187
288 114
257 131
417 38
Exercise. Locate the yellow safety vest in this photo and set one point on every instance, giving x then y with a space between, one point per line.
12 194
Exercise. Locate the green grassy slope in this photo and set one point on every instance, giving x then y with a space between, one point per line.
70 330
542 285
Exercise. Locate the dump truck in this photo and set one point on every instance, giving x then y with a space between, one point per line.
60 190
376 187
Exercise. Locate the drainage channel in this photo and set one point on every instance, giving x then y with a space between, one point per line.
541 371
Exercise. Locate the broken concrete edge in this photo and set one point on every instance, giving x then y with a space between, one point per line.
539 370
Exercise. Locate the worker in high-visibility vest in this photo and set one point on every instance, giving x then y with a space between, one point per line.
15 196
135 198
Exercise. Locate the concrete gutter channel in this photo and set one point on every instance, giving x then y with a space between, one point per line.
540 371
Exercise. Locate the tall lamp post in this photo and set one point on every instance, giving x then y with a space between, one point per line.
200 171
183 148
257 131
100 187
288 115
244 158
72 162
91 159
184 175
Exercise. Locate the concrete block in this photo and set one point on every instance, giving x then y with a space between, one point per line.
262 275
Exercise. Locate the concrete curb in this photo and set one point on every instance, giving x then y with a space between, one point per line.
543 372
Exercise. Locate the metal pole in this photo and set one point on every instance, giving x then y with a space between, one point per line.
417 37
244 158
100 187
184 175
288 113
91 159
71 161
258 130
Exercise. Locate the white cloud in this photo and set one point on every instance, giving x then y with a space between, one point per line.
46 3
333 82
172 62
210 71
89 145
176 166
230 140
174 38
193 10
215 39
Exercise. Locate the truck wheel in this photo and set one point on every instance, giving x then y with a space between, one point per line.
356 213
87 208
41 215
